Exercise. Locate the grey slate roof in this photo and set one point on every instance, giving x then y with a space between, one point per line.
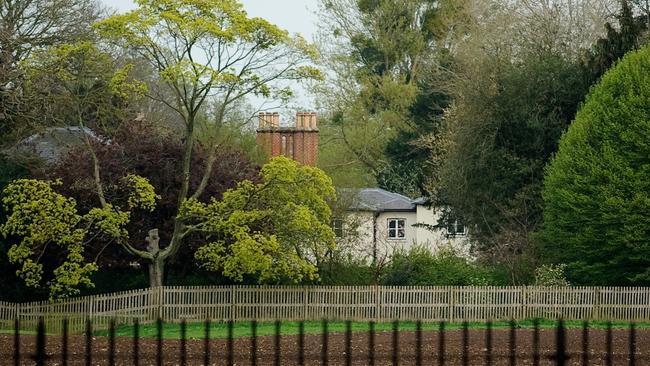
53 142
375 199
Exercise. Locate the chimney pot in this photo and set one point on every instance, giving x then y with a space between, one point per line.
276 120
262 119
312 120
300 120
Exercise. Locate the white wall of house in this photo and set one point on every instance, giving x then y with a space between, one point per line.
359 227
410 235
435 239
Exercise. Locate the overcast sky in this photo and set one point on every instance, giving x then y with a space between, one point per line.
296 16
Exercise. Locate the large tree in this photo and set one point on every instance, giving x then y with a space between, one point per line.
382 56
596 201
149 150
203 50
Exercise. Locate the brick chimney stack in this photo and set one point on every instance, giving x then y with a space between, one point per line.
299 142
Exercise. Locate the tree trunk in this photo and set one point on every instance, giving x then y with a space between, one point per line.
156 272
157 264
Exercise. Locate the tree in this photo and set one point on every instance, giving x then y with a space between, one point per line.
204 50
77 84
382 55
276 231
617 42
596 188
501 138
30 25
11 287
149 150
516 79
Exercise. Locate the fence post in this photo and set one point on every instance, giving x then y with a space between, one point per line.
378 303
90 307
451 304
18 308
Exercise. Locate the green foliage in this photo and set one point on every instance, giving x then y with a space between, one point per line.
200 48
340 269
551 275
500 139
419 267
383 93
619 40
511 105
596 189
336 159
210 53
271 231
39 218
142 194
78 84
28 27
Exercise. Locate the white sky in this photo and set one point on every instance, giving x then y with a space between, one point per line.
295 16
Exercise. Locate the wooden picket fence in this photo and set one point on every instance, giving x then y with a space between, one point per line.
358 303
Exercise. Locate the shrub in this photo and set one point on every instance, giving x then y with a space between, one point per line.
420 267
551 275
345 271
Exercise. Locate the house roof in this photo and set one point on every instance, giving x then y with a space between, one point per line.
375 199
52 142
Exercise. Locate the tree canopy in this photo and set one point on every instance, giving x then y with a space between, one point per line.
382 94
277 230
39 219
204 51
515 91
27 26
596 188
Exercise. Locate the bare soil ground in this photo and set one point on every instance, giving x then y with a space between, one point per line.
337 356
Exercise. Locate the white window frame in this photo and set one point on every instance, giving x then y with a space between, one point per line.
455 225
340 225
394 232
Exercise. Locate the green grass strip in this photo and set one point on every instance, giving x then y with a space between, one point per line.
243 329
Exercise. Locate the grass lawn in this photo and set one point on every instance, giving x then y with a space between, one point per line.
243 329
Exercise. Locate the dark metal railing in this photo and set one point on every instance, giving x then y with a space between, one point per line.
435 353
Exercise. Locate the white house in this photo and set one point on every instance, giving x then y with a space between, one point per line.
372 223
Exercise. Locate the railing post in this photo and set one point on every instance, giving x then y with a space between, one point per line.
305 301
232 303
377 303
161 296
